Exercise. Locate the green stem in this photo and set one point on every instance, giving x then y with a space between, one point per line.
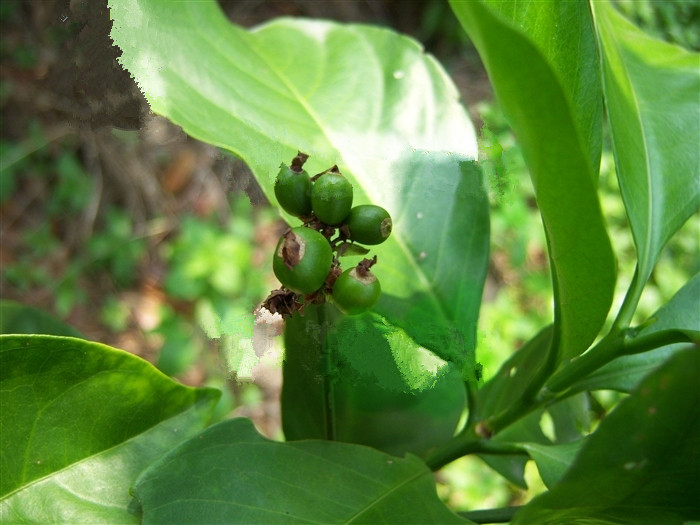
612 346
602 353
462 445
658 339
328 377
629 304
471 397
501 515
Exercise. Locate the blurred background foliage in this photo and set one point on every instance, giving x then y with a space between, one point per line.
142 238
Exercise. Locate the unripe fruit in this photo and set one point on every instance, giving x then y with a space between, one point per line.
369 224
356 290
293 191
331 197
302 260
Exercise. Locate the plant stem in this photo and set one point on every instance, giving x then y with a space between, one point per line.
658 339
328 377
471 397
629 304
602 353
612 346
462 445
500 515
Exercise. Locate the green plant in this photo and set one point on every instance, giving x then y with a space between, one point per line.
400 377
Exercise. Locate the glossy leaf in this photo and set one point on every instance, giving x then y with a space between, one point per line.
361 97
624 373
641 464
542 62
80 421
231 474
651 92
17 318
383 389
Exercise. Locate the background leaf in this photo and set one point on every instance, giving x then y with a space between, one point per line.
391 120
651 91
570 418
525 430
542 62
231 474
16 318
553 460
641 464
79 422
387 392
513 377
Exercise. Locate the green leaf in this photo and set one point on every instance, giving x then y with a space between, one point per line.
624 373
361 97
651 92
80 421
507 386
16 318
553 460
641 464
542 62
570 418
231 474
383 389
504 390
525 430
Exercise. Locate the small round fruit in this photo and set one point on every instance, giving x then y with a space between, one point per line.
302 260
369 224
356 291
331 198
293 191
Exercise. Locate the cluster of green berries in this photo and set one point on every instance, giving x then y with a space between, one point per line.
306 260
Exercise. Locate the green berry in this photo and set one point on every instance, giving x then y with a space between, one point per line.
293 191
356 290
331 197
302 260
369 224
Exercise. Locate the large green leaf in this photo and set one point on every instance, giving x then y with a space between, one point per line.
542 62
624 373
231 474
652 94
358 96
80 421
383 390
641 464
